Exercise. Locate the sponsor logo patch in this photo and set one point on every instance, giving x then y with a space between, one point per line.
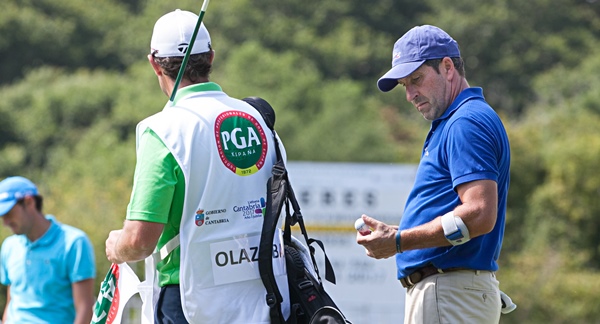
252 209
241 142
203 217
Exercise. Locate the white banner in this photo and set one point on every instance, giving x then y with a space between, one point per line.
331 197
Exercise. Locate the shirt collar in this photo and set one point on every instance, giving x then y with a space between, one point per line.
49 237
199 87
464 96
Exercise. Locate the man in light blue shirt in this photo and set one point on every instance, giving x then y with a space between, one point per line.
49 267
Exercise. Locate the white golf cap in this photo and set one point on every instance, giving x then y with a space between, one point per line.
173 32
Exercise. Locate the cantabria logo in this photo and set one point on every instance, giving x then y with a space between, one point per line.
241 141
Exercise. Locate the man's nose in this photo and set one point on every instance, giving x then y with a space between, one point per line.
411 93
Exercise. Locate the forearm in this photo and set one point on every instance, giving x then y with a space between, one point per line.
425 236
136 241
127 249
5 315
432 234
84 315
84 300
477 212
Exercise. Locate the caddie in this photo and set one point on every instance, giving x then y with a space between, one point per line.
199 190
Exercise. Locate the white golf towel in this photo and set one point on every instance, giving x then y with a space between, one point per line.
119 285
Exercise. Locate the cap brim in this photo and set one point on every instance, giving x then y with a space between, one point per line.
6 206
390 80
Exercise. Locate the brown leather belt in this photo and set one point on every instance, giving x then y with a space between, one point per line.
423 273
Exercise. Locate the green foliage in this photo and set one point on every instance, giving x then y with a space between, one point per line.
554 192
565 205
52 108
548 288
317 120
342 39
507 43
69 34
89 192
551 242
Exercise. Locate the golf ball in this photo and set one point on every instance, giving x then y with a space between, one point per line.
361 227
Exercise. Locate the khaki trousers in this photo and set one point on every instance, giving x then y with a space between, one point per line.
465 296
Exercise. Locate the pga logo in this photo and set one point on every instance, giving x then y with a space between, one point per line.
241 142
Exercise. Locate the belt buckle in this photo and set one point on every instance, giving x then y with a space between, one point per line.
405 283
408 280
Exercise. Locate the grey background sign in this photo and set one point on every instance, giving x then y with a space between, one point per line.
332 196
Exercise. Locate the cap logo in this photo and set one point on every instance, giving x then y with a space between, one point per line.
16 195
397 55
241 142
182 47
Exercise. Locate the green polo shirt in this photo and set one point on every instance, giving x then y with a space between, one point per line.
159 190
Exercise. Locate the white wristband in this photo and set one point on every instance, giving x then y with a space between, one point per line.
455 230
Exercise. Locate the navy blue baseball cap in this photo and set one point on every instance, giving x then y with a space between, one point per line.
12 189
418 45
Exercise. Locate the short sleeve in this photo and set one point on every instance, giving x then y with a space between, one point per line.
471 151
154 181
80 260
3 271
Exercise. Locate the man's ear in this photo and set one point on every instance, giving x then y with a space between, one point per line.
212 56
29 201
155 66
447 66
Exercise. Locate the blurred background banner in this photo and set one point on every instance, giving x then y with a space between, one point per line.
331 197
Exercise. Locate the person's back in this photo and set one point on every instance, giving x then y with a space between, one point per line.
199 190
226 160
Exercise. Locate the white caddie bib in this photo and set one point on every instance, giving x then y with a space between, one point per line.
226 155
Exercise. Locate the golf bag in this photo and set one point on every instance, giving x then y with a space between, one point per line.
309 302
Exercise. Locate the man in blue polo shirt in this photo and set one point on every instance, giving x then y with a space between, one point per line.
49 267
449 238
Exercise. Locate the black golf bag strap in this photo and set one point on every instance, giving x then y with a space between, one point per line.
276 197
265 255
280 192
297 218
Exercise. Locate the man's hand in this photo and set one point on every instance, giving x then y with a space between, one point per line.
136 241
381 243
111 243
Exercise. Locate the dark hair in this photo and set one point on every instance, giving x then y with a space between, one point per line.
458 62
39 202
198 66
